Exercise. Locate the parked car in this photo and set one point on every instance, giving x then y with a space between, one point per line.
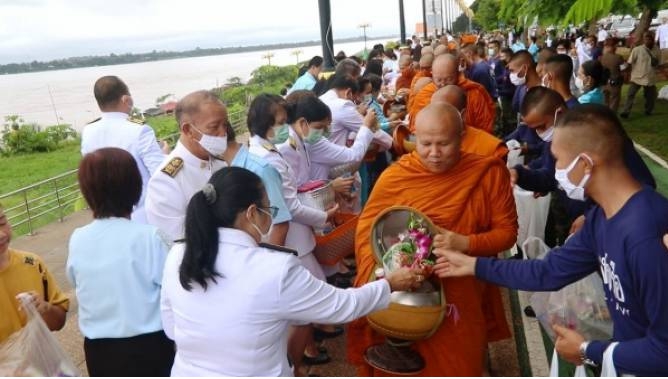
622 28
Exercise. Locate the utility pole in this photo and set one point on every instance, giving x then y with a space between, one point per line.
424 18
363 27
402 22
296 53
268 57
326 36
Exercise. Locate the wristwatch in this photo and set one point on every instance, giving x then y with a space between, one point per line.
583 355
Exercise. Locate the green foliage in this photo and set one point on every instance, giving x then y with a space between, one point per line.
163 125
461 24
20 138
274 75
486 13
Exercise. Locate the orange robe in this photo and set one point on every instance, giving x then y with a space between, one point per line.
418 102
405 79
420 74
473 198
480 107
476 141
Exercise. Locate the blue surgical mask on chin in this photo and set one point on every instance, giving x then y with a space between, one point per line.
573 191
281 134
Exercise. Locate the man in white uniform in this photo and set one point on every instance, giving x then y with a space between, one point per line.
115 128
202 120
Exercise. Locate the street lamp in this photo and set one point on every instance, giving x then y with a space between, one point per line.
364 26
296 53
268 57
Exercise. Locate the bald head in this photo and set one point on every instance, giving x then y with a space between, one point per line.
523 57
452 95
441 117
445 70
438 129
427 50
192 103
404 61
426 60
440 49
592 129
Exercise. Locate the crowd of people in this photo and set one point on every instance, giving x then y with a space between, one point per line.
200 259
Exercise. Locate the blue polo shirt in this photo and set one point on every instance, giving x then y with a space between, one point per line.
306 81
594 96
270 178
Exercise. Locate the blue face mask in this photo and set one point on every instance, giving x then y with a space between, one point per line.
314 135
281 134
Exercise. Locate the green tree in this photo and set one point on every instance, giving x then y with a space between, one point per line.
161 99
486 13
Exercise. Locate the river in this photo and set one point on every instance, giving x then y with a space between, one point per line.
66 96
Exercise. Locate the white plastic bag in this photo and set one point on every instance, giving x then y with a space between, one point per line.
580 370
531 214
535 248
514 151
608 369
579 306
33 350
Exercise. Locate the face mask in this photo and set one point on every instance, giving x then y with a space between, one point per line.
573 191
367 99
326 133
281 134
214 145
462 67
561 51
491 53
314 135
579 83
263 236
545 82
547 134
516 80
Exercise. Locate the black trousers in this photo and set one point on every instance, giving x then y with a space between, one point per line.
149 354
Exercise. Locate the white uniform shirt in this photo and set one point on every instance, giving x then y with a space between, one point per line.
114 129
294 152
347 120
168 195
662 36
325 154
300 234
239 325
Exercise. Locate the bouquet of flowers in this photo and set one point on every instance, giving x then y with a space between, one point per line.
413 248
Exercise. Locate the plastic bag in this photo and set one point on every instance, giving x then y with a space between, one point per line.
534 248
579 306
33 350
514 153
580 370
608 369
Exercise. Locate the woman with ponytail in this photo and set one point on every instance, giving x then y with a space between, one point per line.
228 302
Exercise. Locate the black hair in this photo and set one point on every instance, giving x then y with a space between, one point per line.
108 91
309 107
598 73
234 190
375 54
262 113
342 81
565 43
374 66
375 80
362 81
541 99
563 66
316 61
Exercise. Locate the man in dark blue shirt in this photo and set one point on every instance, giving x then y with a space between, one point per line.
558 71
479 70
622 237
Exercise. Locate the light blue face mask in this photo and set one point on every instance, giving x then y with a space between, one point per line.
281 134
314 135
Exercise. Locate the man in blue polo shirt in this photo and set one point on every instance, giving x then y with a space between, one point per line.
310 77
238 155
622 237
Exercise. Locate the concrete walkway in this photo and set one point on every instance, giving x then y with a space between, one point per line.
51 243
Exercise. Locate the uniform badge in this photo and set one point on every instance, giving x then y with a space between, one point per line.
293 143
269 147
136 120
29 261
173 166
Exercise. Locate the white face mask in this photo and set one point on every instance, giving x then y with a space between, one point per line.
214 145
547 134
462 67
545 82
263 236
579 83
491 53
562 51
516 80
573 191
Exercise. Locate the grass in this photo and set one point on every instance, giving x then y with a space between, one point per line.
649 131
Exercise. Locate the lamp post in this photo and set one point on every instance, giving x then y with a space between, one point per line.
268 57
363 27
296 53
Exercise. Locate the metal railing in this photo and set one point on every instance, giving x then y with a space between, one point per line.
50 199
38 204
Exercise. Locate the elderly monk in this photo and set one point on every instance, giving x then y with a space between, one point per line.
419 85
440 50
426 62
469 197
474 140
480 108
407 73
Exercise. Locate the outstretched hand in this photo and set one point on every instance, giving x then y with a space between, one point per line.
453 264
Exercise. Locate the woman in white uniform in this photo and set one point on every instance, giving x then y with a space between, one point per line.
227 302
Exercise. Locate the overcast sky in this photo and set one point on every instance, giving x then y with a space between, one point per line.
51 29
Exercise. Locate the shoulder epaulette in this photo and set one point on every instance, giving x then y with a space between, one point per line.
269 147
96 120
136 120
29 260
173 166
277 248
293 143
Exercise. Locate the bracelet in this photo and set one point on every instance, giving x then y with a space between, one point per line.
583 354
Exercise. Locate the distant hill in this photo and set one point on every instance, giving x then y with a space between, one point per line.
113 59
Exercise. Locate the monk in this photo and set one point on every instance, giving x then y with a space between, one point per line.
440 50
474 140
407 73
415 90
469 197
426 62
480 108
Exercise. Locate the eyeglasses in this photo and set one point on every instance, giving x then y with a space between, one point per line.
273 210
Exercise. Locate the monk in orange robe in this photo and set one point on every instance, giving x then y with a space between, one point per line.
415 90
407 73
425 68
474 140
469 197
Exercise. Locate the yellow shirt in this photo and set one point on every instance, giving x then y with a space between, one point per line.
26 272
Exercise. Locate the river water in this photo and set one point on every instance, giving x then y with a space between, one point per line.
66 96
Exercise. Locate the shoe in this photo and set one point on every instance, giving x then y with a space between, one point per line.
319 359
624 115
319 334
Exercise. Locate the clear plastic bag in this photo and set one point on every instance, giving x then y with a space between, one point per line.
579 306
33 350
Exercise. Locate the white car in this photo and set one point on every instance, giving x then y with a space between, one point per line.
622 28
